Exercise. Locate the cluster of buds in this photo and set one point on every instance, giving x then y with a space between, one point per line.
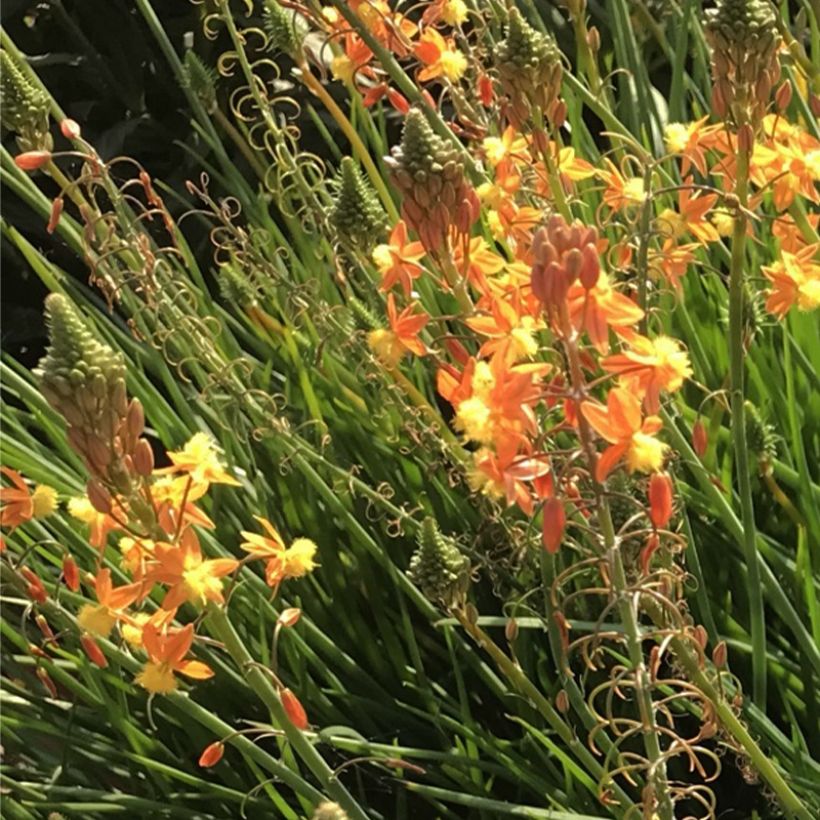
356 215
329 811
563 253
438 568
281 28
84 381
745 66
24 107
429 174
529 67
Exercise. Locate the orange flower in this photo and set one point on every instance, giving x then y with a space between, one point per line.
509 144
397 260
620 424
100 524
599 308
689 141
440 57
672 261
504 476
649 366
99 619
795 279
283 563
621 192
510 330
189 576
199 459
476 261
690 216
390 345
166 655
21 504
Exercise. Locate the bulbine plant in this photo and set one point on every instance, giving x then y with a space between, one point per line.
471 469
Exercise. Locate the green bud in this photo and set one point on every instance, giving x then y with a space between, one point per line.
23 106
281 28
761 440
356 215
329 811
200 79
438 568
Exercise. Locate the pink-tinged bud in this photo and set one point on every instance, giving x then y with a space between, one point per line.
511 630
70 129
294 709
398 101
660 499
56 213
554 522
71 574
594 39
562 701
814 104
93 651
37 652
558 113
143 458
720 655
289 616
211 755
649 549
573 263
745 138
701 636
700 438
44 627
457 350
783 96
98 497
46 680
591 267
32 160
35 589
485 90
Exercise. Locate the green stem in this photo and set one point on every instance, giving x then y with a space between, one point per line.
737 354
224 631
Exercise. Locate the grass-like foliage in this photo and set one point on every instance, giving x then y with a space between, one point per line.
440 438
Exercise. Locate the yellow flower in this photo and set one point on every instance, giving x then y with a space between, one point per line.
44 499
199 459
157 678
453 65
132 632
386 345
645 453
96 619
298 558
454 12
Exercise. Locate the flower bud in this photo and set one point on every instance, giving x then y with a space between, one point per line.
143 458
294 709
44 627
35 589
783 96
32 160
71 574
45 679
719 655
211 755
93 651
700 438
70 129
554 523
511 630
289 617
660 499
56 213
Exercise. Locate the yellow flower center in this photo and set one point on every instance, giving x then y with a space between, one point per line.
343 68
672 224
44 500
645 453
385 344
454 12
382 257
633 190
200 584
676 137
473 418
453 65
157 678
133 632
97 619
298 558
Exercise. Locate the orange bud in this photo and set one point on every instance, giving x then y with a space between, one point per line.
98 496
554 522
56 213
44 627
294 709
70 129
649 549
814 104
71 574
745 138
485 90
398 101
660 499
35 589
211 755
289 616
719 655
143 458
562 701
46 680
783 96
700 438
36 651
32 160
93 651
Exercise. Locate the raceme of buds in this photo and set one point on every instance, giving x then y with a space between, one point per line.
563 254
84 380
660 499
529 67
23 107
429 173
437 567
211 755
745 67
553 525
294 709
356 215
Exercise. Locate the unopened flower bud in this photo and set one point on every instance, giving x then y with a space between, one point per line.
35 589
70 129
562 701
700 438
211 755
98 496
294 709
32 160
71 573
511 630
553 524
143 458
719 655
660 499
783 96
289 617
45 679
56 213
93 651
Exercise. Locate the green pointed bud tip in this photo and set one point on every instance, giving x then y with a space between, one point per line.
200 79
282 28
